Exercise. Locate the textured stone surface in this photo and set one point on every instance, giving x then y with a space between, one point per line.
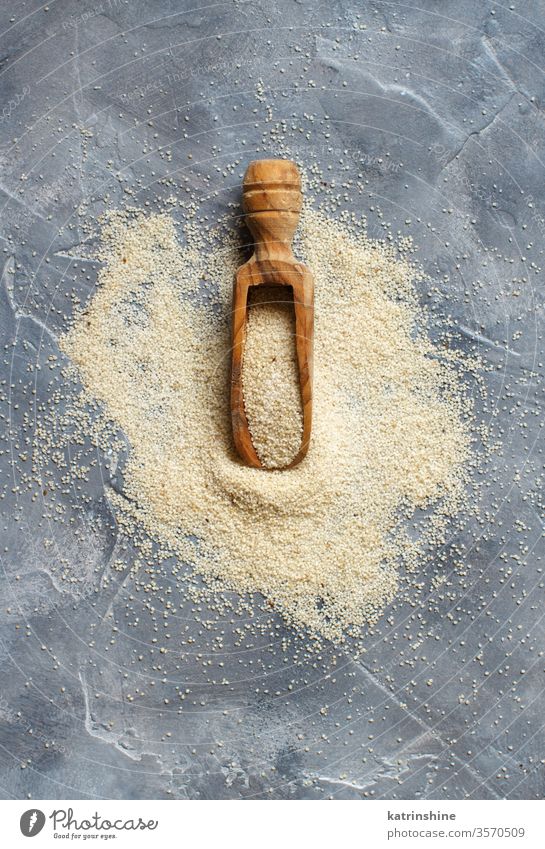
434 115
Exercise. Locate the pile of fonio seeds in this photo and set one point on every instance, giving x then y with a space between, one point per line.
325 541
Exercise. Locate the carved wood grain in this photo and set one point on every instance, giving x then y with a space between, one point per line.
272 202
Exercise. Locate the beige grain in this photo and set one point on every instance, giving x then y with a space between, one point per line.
323 542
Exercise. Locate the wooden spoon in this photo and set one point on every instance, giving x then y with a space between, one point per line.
272 202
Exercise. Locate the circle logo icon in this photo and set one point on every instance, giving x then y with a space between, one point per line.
32 822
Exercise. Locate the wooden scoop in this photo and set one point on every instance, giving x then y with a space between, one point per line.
272 202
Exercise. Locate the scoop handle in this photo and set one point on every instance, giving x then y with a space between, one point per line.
272 202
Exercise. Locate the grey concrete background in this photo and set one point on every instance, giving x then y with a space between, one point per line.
432 116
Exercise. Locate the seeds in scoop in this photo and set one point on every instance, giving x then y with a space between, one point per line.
270 376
